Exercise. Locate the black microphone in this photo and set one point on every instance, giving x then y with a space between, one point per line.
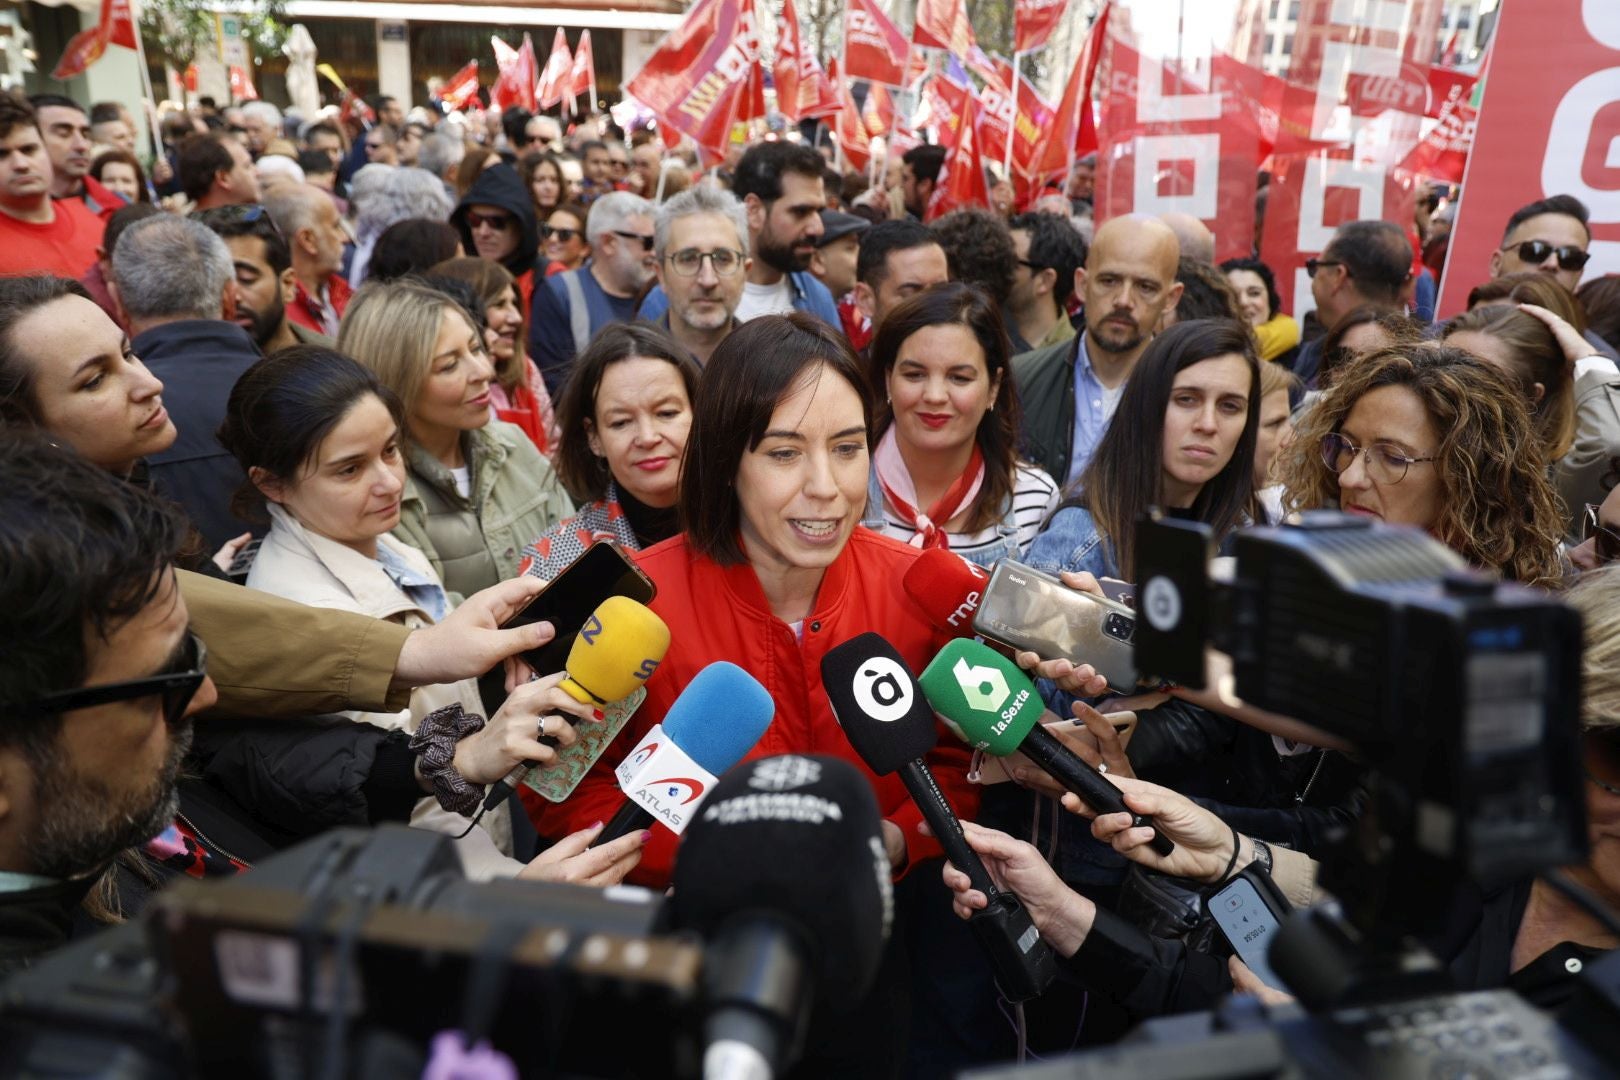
887 720
783 872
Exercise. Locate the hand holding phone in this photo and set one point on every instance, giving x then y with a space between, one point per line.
603 570
1035 612
1249 910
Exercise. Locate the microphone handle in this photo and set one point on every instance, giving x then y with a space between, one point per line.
946 828
630 818
1076 774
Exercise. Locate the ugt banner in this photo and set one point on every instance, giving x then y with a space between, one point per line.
1545 128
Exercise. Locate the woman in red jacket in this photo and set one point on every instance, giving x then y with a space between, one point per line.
773 571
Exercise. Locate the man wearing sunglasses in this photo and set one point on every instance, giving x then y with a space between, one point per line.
1366 264
1550 236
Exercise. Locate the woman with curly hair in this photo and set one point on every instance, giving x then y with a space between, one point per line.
1427 435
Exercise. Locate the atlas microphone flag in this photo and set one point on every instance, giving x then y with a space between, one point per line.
874 48
585 70
1074 131
113 27
557 80
1034 21
514 86
462 87
706 75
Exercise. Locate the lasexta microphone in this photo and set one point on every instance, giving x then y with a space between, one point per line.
991 704
883 713
948 588
615 652
783 873
714 722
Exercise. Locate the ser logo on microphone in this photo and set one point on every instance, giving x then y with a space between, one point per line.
882 689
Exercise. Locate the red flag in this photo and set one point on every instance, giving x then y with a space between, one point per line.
1034 21
879 112
943 24
242 85
113 27
1443 153
964 183
190 78
462 87
950 104
797 75
706 75
557 81
514 87
585 70
1074 129
874 48
850 129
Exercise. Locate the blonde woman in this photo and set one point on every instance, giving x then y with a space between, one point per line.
476 489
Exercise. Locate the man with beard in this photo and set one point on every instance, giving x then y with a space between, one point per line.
569 308
702 248
1069 390
264 277
780 186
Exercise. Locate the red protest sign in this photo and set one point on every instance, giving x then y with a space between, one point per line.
1544 129
706 74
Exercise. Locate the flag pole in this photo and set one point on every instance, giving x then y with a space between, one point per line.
146 84
1012 126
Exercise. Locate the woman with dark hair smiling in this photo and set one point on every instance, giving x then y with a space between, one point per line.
945 472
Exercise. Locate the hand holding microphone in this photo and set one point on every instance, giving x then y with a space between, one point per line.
512 737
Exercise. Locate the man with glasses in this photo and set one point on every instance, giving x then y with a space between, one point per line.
1049 252
701 241
1550 236
1366 264
572 306
1600 530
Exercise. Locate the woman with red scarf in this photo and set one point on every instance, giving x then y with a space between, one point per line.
945 472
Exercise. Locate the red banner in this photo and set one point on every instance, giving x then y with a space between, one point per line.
462 87
1443 153
1074 129
963 184
1360 86
943 24
878 115
113 27
1181 139
1034 21
706 74
850 129
584 75
557 81
514 86
1028 123
949 103
1549 123
802 89
874 48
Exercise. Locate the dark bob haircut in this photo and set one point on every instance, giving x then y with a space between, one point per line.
284 407
956 304
583 473
1263 272
752 370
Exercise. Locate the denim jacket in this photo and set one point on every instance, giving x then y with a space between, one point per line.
1071 542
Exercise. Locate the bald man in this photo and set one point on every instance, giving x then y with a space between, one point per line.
1197 242
1069 390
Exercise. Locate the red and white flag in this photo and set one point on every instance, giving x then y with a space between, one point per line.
1074 129
878 115
462 87
943 24
585 71
853 139
556 85
1034 21
114 27
242 88
874 48
964 182
706 75
798 77
514 85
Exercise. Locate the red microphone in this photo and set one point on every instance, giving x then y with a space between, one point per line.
948 588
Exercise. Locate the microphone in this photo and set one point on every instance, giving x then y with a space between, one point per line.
948 588
883 713
616 651
992 705
784 875
717 719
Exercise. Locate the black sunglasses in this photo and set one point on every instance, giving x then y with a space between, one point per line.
1605 541
646 241
1313 265
1535 252
565 235
177 686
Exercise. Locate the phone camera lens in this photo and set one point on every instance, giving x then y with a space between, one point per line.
1118 627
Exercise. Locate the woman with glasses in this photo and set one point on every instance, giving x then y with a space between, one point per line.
563 233
624 416
1429 436
476 489
497 222
946 471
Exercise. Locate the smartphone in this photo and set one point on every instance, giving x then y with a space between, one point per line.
1120 592
601 571
243 561
1029 610
1249 912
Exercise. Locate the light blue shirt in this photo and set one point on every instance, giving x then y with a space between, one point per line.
16 881
423 590
1093 408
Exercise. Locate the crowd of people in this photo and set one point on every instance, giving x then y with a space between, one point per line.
298 413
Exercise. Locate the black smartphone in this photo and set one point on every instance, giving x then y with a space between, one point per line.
1249 911
603 570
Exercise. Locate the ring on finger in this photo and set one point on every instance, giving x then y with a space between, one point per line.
543 720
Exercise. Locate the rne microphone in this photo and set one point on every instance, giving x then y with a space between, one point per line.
783 872
615 653
948 588
887 720
715 722
992 705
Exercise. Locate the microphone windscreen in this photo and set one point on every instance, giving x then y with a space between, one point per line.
800 837
877 702
986 698
719 716
948 588
617 649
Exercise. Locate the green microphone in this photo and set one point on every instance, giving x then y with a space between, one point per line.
990 704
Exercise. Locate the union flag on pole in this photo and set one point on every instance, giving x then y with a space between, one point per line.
798 77
1034 21
585 70
462 87
706 75
879 112
557 81
874 48
114 27
1074 132
964 183
514 86
943 24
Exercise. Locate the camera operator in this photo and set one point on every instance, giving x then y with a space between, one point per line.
106 666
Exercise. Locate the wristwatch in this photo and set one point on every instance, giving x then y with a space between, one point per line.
1262 854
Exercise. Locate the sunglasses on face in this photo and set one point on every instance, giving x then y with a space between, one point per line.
565 235
177 687
498 222
1313 265
1535 252
1605 541
646 241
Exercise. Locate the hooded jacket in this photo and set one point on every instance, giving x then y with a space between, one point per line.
500 185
